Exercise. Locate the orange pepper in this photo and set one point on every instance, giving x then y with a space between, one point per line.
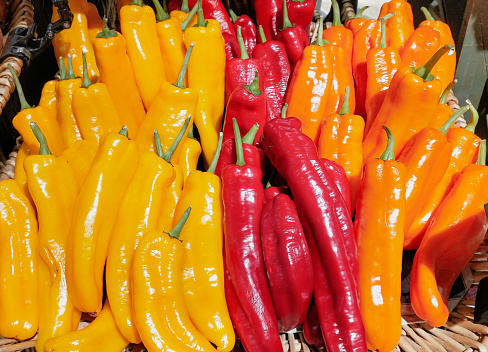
442 112
380 227
340 35
400 27
420 47
356 23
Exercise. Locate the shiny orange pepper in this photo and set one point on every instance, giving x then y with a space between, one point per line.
464 149
18 267
419 48
94 21
380 227
94 110
356 23
42 117
442 112
341 137
340 35
138 25
400 27
116 73
408 106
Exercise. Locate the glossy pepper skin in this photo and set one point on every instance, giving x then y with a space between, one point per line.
206 74
442 112
356 23
382 63
380 227
190 153
323 214
232 49
80 156
398 113
338 174
101 334
339 35
49 97
94 110
309 88
248 30
275 75
400 27
203 269
464 150
52 184
76 40
160 313
215 9
311 327
455 232
241 71
94 218
267 16
117 75
301 12
18 268
42 117
138 26
19 172
340 140
420 46
286 258
139 213
170 200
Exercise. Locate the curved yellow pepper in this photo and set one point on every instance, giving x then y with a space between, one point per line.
80 156
19 173
94 218
49 96
171 196
160 313
18 267
191 150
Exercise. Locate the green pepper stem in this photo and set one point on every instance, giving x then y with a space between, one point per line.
251 134
261 34
106 32
175 232
383 30
424 71
453 119
62 69
336 14
388 154
360 12
284 109
427 14
70 74
345 103
161 15
474 117
169 153
201 20
86 80
43 147
165 5
253 88
239 149
446 91
286 20
270 179
233 16
184 6
320 34
20 91
124 131
242 45
482 153
184 25
190 132
180 82
136 2
215 159
157 144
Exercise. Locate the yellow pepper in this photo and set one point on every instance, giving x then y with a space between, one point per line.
138 25
76 40
101 335
18 267
94 110
52 184
94 218
116 73
42 117
171 197
160 312
48 97
206 74
189 155
184 12
80 156
64 111
19 173
203 269
138 214
171 107
94 21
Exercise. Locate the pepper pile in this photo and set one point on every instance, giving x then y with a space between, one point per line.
318 165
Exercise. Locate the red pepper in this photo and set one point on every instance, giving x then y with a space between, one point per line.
322 212
251 308
247 104
212 9
276 73
266 16
248 28
287 258
232 50
241 71
300 11
338 174
311 327
294 38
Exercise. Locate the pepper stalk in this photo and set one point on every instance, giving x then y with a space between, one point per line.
251 134
169 153
445 94
424 71
388 153
175 232
43 147
186 22
181 77
482 153
253 88
474 117
453 119
215 160
20 91
345 103
62 69
239 150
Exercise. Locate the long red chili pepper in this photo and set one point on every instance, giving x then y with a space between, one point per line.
311 327
211 9
338 174
248 29
232 50
276 72
321 209
251 308
286 257
266 16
